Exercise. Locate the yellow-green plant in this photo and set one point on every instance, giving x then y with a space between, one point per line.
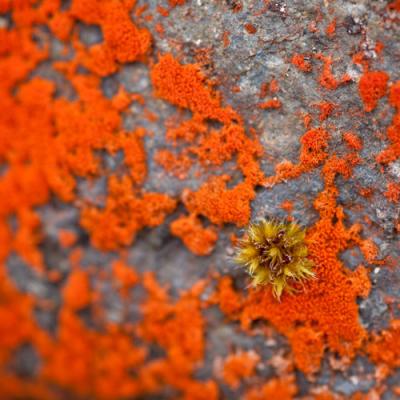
275 253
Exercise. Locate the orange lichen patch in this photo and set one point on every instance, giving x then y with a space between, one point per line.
393 192
187 131
179 329
176 164
313 153
91 364
122 99
287 205
61 25
379 46
174 3
326 313
314 144
17 49
123 41
49 141
273 103
176 327
185 86
308 342
225 39
384 348
135 156
250 28
97 59
353 141
230 301
162 11
28 236
197 239
76 292
307 119
392 152
239 366
212 147
324 394
273 86
394 5
67 238
366 192
124 276
300 62
220 204
331 29
394 95
264 88
159 28
325 110
17 387
278 388
17 326
125 213
326 78
369 249
216 147
372 86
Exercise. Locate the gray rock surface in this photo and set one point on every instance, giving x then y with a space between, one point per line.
248 62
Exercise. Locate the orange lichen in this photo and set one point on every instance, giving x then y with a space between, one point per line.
384 348
325 314
392 152
353 141
176 164
125 213
273 103
229 300
185 86
123 41
273 86
394 5
394 95
372 86
314 144
278 388
225 39
313 153
393 192
174 3
164 12
325 110
239 366
215 147
369 249
178 328
197 239
250 28
307 119
220 204
264 88
78 282
124 276
300 62
326 78
51 142
331 29
287 205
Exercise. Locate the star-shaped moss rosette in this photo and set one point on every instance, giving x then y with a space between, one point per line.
275 253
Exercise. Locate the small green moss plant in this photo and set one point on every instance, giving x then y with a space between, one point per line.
275 253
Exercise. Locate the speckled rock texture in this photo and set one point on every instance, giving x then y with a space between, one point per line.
245 49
